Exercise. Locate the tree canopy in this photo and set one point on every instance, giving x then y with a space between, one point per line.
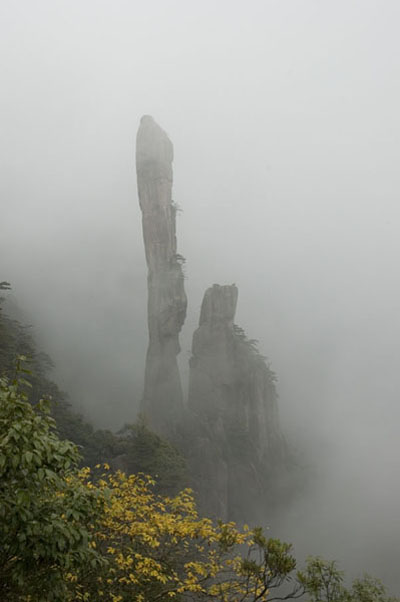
70 534
45 511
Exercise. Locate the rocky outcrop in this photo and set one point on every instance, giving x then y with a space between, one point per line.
238 448
229 431
162 402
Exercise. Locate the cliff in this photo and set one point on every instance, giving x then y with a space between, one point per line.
162 402
239 447
229 429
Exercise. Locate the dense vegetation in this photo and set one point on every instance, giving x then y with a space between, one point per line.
135 448
70 534
96 533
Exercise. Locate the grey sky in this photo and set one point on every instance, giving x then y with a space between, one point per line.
284 119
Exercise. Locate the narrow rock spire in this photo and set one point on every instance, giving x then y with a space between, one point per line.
162 402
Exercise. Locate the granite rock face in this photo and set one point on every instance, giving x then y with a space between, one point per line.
162 402
239 447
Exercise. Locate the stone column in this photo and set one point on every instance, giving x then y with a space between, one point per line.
162 402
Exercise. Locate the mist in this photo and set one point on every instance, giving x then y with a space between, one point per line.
284 120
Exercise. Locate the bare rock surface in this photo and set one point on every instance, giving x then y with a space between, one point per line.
232 395
229 431
162 401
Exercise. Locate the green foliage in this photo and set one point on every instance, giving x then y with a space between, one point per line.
16 339
45 513
369 589
136 446
96 445
64 537
50 517
252 347
148 453
134 449
270 562
324 582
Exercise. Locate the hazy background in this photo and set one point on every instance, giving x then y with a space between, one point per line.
284 119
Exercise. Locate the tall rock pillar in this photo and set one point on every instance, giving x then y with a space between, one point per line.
162 402
238 450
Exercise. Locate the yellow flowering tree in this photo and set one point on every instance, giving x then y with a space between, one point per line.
158 549
70 535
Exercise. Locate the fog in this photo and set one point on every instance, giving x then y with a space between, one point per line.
284 120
